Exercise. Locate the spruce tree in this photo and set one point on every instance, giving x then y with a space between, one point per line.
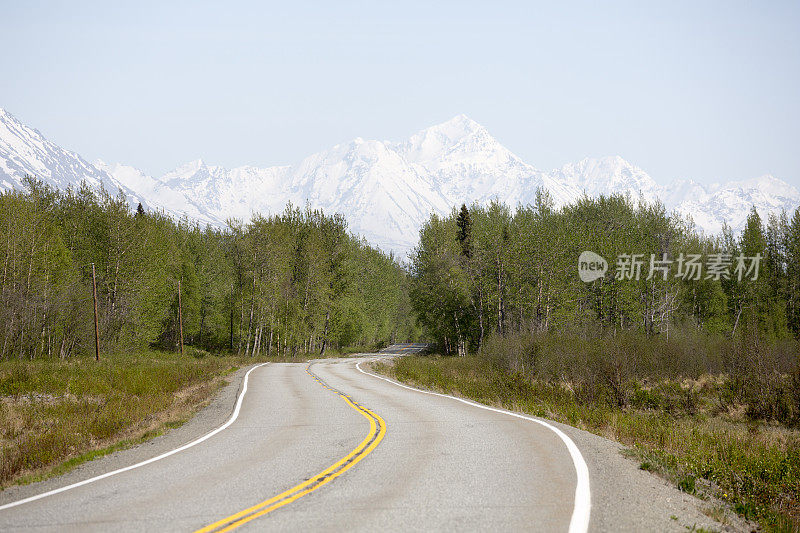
793 273
464 223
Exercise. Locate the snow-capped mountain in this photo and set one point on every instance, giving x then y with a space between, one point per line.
731 202
25 151
608 175
386 190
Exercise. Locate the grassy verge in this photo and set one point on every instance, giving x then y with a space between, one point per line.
55 415
674 427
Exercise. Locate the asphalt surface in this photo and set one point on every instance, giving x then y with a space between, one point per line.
408 348
328 447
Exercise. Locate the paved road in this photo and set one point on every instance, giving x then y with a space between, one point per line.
407 348
327 447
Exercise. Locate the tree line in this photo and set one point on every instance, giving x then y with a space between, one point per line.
489 270
294 282
298 282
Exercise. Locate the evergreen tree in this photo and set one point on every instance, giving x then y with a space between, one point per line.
793 273
464 223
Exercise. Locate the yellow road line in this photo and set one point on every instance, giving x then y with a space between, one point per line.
377 430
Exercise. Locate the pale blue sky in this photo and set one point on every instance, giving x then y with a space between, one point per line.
707 90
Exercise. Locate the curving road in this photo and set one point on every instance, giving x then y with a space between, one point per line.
348 450
329 446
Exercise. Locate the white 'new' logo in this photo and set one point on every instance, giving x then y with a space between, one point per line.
591 266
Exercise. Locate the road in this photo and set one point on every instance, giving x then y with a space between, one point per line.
408 348
328 446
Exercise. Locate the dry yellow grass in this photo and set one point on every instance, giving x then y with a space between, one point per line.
55 414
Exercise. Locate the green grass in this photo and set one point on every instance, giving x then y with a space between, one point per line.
753 466
91 455
55 415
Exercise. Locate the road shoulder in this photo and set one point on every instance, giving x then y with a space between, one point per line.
627 498
213 415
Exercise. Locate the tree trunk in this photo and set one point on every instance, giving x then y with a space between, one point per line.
231 342
480 316
736 323
325 332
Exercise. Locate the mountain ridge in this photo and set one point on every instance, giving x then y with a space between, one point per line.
385 189
26 151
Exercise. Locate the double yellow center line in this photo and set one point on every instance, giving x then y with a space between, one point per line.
377 429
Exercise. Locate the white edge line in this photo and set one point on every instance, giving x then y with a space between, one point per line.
230 421
579 523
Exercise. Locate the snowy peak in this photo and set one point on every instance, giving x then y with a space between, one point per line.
189 172
679 190
444 136
438 146
730 203
386 190
192 166
608 175
767 185
463 163
25 151
458 127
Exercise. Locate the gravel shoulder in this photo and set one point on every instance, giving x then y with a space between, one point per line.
626 498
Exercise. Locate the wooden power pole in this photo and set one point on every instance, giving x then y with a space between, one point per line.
96 326
180 315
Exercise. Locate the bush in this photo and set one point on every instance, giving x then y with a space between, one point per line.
56 409
678 426
616 370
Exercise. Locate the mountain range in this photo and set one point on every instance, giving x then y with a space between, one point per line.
386 190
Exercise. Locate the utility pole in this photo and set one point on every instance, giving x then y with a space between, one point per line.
96 326
180 315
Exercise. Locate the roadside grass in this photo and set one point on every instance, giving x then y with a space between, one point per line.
56 414
91 455
678 428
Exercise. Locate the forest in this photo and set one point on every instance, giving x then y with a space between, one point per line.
488 270
285 284
298 282
697 375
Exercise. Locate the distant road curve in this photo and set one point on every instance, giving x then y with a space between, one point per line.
408 348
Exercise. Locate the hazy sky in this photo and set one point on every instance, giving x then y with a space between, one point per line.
707 90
